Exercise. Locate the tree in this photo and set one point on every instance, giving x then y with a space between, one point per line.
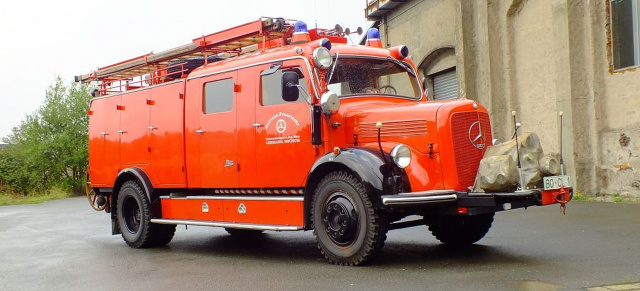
50 146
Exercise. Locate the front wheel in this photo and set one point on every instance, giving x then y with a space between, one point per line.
461 230
349 229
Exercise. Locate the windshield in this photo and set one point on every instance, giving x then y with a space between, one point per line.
369 76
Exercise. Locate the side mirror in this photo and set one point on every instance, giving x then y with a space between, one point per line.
290 91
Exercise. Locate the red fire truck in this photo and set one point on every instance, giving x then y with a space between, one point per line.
270 126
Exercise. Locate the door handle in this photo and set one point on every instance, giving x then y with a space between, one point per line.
103 133
151 128
121 131
256 125
199 131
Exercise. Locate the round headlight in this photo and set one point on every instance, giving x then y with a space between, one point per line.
401 156
322 58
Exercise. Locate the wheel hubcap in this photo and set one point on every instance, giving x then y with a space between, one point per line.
131 214
340 219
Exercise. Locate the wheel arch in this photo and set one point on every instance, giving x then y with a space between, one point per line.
368 167
129 174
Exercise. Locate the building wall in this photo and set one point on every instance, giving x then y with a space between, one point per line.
538 57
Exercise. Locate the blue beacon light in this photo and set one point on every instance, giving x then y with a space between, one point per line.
300 27
372 34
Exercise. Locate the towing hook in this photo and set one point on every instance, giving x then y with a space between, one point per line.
563 202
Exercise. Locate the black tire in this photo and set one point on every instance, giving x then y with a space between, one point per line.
134 219
461 230
348 228
243 232
162 234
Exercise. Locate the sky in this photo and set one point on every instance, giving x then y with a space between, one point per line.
40 40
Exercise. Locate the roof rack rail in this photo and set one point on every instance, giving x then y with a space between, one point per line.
152 68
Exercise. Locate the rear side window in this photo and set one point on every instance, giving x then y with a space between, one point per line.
218 96
272 87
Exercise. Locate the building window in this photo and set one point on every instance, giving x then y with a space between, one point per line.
272 87
625 33
442 78
218 96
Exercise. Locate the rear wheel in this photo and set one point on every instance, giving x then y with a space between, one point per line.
349 229
134 219
461 230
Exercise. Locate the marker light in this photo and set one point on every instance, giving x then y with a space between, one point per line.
401 156
399 52
325 42
322 58
300 27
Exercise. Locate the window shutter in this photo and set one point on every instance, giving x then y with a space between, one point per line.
445 85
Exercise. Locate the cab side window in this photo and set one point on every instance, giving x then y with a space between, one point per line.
218 96
272 87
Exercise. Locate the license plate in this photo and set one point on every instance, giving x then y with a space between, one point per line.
556 182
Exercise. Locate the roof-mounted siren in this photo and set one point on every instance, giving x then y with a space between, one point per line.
300 33
373 38
399 52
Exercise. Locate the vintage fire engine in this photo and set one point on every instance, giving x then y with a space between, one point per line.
273 126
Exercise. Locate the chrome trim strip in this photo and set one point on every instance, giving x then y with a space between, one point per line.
228 224
250 198
404 200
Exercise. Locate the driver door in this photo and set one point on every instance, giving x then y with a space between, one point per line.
283 130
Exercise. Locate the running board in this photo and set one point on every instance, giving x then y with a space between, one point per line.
227 224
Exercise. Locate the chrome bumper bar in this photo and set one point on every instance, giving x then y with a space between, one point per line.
420 198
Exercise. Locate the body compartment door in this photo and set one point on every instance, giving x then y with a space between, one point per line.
104 141
216 131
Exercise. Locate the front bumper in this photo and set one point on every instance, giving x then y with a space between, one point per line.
449 201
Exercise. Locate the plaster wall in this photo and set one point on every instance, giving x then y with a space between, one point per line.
538 57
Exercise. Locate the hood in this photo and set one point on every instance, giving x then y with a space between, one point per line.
403 121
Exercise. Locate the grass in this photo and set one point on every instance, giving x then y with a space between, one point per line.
617 198
14 199
577 196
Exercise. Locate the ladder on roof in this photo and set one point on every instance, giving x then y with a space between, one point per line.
230 41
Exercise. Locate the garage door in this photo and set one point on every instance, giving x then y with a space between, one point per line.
445 85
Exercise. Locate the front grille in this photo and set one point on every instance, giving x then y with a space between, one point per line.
466 154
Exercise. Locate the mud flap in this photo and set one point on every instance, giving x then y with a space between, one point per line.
115 228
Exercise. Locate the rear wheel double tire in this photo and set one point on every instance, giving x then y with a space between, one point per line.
349 229
134 219
461 230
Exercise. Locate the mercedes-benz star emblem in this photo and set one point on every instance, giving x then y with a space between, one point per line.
475 135
281 125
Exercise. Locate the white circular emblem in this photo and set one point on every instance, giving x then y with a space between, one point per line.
281 125
242 209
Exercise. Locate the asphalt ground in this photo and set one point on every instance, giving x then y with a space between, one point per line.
65 245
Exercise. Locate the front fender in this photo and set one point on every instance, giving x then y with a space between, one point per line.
367 164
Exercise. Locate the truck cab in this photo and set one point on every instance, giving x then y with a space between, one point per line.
301 132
